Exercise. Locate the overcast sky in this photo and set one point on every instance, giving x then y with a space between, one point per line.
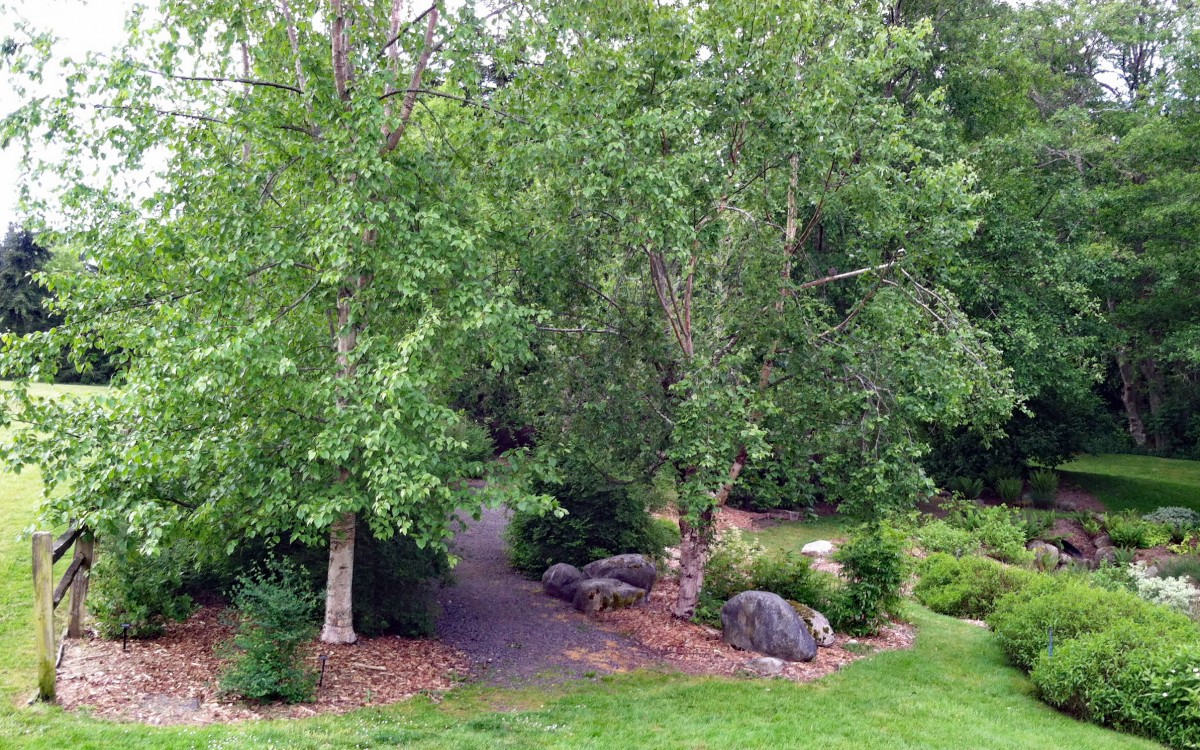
83 27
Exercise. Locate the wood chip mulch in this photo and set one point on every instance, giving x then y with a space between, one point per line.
696 649
172 679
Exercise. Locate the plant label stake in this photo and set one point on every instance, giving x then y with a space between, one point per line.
1050 648
321 680
125 636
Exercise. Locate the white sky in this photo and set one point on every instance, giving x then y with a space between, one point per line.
95 26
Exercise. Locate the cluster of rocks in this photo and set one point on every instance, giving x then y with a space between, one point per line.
1050 556
612 583
757 621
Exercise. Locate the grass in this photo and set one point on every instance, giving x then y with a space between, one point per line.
790 536
952 691
1140 483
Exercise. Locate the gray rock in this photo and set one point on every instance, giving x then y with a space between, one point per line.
763 622
636 570
817 624
1104 540
604 594
1105 555
561 580
1046 554
767 666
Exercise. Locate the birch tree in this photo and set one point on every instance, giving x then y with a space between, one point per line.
290 294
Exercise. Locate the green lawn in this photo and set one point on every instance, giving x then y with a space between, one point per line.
790 536
1140 483
951 691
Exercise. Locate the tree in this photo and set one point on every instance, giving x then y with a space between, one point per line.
22 298
745 224
308 274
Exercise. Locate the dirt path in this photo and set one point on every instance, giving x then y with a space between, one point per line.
512 632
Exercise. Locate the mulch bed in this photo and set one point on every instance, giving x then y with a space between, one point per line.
172 679
699 650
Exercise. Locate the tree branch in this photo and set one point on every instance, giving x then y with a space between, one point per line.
410 96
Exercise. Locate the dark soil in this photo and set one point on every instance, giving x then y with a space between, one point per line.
512 633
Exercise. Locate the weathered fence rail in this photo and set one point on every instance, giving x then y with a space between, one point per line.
46 595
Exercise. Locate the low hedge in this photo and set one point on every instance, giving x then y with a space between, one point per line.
1023 619
968 586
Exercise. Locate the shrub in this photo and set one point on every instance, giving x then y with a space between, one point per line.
874 567
1174 593
1043 488
939 536
1181 519
1131 677
141 590
792 578
1009 490
999 529
275 609
477 443
1184 566
969 487
966 587
602 520
1129 530
393 585
1071 607
727 573
1114 578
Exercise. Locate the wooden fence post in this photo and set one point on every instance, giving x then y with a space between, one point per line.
43 611
85 547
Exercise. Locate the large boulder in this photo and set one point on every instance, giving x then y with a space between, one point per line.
763 622
561 580
1045 553
636 570
1105 555
817 624
604 594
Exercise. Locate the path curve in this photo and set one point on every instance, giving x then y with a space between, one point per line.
514 634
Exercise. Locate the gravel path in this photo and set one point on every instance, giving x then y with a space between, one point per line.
512 632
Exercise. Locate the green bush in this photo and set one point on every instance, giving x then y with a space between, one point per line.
1180 519
1022 620
968 586
999 529
792 578
874 567
1043 488
142 590
1131 531
1009 490
736 565
393 585
940 536
1131 676
276 610
478 446
727 573
602 520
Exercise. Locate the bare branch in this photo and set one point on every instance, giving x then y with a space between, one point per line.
397 33
850 274
452 97
410 97
297 303
608 331
294 40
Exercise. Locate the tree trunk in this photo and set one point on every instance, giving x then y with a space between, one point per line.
1129 397
694 541
339 613
339 621
1154 394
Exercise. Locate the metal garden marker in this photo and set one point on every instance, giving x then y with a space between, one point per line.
1050 649
125 636
322 658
